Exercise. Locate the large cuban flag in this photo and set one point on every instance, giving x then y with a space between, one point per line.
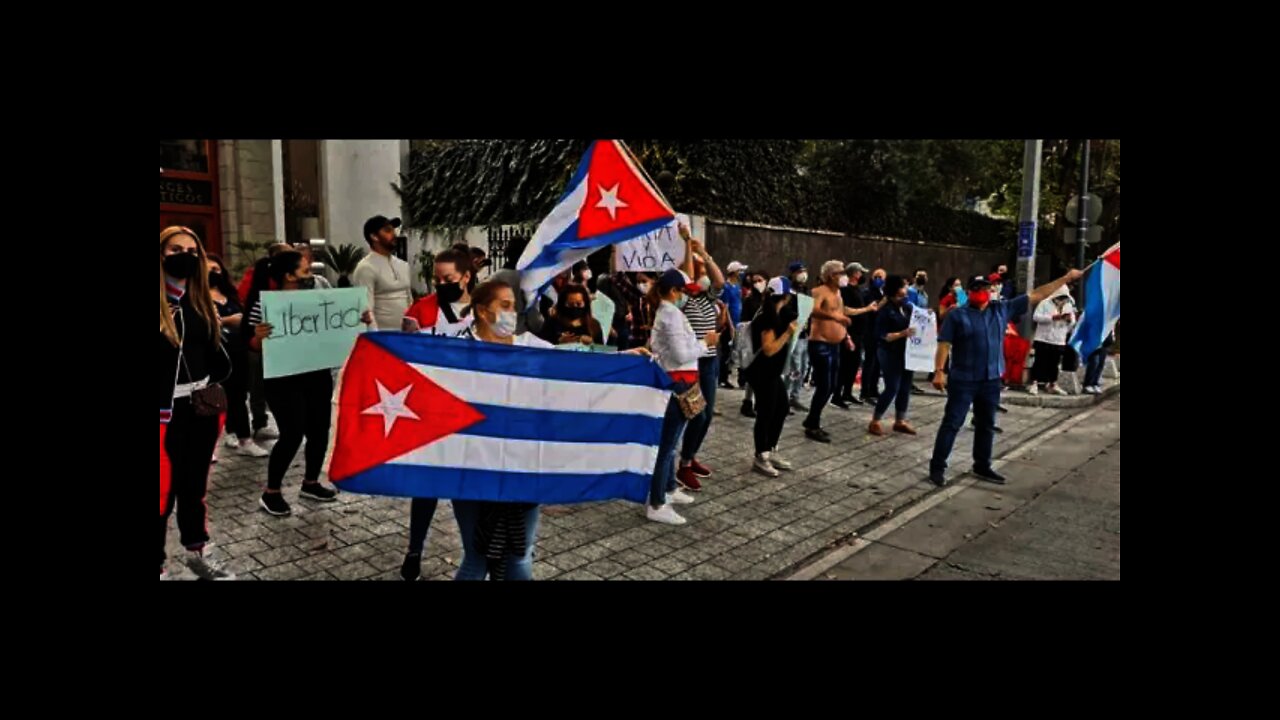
423 416
1101 303
608 201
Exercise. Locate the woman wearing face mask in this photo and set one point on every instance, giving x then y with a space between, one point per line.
751 304
771 330
639 311
704 315
193 357
498 538
677 349
227 301
301 403
893 328
875 295
571 321
443 312
1054 319
953 296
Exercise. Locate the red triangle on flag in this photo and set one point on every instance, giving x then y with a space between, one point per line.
1113 257
618 194
387 408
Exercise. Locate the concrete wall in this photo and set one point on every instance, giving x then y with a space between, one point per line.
247 192
772 249
355 181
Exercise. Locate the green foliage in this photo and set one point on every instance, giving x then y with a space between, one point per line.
343 260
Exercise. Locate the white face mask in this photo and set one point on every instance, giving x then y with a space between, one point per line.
586 276
704 282
644 288
995 290
505 325
802 278
844 281
759 287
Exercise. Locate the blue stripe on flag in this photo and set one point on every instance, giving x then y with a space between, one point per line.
580 173
427 481
1088 335
613 369
557 426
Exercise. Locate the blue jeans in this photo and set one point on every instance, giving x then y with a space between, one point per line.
897 384
825 357
799 368
984 396
474 567
1093 371
708 372
664 472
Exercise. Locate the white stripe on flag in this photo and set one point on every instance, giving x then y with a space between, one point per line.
561 217
555 395
474 452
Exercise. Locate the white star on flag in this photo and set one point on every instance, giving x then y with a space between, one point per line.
391 408
610 201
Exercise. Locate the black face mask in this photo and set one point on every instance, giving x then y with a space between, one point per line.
788 314
213 278
449 293
182 266
921 281
575 313
307 283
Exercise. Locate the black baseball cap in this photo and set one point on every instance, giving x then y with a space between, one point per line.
377 222
979 281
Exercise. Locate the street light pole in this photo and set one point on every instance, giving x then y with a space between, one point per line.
1025 273
1082 223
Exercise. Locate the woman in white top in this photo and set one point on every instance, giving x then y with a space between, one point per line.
1054 318
677 349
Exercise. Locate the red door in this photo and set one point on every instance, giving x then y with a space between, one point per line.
189 189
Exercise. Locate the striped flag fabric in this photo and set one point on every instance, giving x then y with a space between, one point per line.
1101 284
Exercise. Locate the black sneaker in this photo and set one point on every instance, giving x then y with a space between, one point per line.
994 428
319 493
841 404
412 567
748 410
1002 408
915 390
937 477
854 400
797 405
817 434
990 476
727 386
275 504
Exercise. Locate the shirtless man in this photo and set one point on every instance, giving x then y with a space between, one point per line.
828 330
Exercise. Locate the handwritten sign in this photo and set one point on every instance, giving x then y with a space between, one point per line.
311 329
654 252
922 346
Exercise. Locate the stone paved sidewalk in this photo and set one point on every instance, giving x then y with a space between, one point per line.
743 526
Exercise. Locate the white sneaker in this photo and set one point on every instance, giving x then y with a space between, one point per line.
1033 389
665 514
777 462
252 449
204 566
267 433
679 497
1059 391
231 441
763 465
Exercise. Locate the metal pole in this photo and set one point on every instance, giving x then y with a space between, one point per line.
1082 223
1025 272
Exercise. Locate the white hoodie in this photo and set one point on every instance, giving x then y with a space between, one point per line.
1048 330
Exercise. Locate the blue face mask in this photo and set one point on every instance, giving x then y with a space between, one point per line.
681 299
877 283
962 298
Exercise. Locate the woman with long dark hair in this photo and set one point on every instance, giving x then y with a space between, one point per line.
301 403
193 362
239 436
771 331
571 320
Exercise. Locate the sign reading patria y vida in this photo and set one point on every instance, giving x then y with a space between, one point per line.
653 252
310 329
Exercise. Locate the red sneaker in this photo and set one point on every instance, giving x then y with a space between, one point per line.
699 469
687 479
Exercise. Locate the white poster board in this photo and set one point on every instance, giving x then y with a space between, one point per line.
654 252
923 346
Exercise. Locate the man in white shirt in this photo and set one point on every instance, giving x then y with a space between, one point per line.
385 276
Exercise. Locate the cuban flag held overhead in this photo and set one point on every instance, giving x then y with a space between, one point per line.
1101 284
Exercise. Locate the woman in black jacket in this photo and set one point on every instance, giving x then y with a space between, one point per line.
192 360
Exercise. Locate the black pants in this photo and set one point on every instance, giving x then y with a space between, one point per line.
1048 359
421 511
257 391
237 387
725 349
850 361
771 409
188 442
870 368
302 404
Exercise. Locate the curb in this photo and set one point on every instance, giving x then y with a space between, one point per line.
1022 399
